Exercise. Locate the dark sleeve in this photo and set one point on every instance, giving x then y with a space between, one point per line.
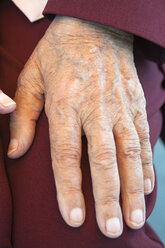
143 18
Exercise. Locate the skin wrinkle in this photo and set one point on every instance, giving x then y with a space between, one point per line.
90 84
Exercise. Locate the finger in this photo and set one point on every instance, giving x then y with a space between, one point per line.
7 105
65 141
142 128
105 177
131 174
29 99
131 81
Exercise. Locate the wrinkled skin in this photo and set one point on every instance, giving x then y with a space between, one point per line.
85 75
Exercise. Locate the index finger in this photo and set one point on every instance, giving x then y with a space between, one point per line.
65 142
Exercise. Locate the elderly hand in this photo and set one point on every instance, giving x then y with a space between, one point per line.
87 75
7 105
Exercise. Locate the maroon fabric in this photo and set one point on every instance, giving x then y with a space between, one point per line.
5 206
36 219
145 19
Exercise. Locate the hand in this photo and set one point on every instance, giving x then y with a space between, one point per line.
87 75
7 105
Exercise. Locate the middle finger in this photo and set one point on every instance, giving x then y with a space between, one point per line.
104 172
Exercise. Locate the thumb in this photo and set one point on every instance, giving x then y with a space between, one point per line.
29 99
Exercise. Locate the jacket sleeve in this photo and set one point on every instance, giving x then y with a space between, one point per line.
143 18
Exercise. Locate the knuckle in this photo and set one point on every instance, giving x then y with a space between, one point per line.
67 152
104 156
89 117
146 156
67 180
147 163
68 189
147 166
131 151
62 108
53 107
145 145
145 138
107 199
136 190
144 134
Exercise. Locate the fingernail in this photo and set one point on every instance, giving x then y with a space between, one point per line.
5 100
13 146
113 226
76 215
137 217
147 185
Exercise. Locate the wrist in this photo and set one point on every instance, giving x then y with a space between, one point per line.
72 25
